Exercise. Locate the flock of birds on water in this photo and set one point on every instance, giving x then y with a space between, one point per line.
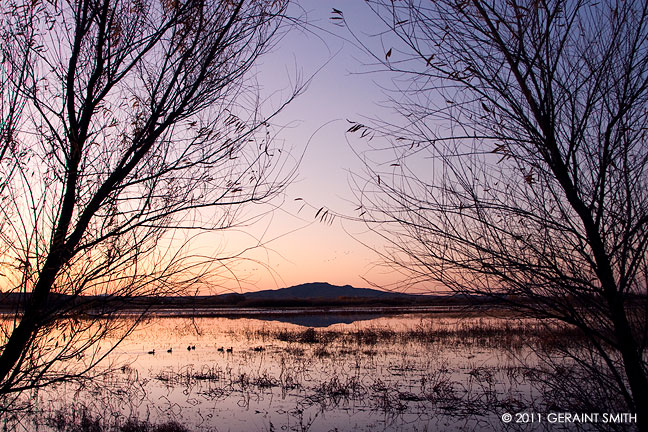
193 347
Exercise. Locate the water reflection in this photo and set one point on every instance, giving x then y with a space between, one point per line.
345 372
321 320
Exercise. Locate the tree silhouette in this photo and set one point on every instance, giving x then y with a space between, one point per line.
128 128
520 169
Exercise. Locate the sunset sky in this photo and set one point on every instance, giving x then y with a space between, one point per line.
297 247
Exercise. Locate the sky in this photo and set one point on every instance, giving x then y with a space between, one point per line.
297 247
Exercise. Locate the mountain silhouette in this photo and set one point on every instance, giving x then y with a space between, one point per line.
323 290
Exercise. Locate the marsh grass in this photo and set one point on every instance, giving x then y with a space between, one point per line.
481 332
407 381
431 368
78 418
188 376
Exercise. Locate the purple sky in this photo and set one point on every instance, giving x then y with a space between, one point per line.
297 248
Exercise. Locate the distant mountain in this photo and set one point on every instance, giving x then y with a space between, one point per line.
323 290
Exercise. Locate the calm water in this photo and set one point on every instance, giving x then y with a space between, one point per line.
345 372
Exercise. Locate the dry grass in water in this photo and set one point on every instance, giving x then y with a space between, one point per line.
478 332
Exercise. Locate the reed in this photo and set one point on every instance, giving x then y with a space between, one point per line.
480 332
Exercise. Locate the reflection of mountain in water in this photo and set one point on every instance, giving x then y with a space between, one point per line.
325 293
321 320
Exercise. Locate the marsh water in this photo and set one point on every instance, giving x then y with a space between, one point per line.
336 371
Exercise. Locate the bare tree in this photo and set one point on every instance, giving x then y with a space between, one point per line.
128 128
520 168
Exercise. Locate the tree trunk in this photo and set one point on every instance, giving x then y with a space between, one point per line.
23 333
632 363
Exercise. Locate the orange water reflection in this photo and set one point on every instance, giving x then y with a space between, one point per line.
396 372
